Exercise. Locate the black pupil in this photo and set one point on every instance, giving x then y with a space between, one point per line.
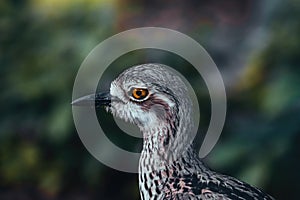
139 92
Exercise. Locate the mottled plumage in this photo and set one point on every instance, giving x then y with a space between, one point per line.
169 169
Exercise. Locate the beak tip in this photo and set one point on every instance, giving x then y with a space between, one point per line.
73 103
92 100
84 101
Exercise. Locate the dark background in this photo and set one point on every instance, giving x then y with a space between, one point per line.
255 44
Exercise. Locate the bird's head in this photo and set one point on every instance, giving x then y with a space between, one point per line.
148 95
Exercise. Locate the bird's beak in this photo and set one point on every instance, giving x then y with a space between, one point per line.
97 100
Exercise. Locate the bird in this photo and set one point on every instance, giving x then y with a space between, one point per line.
156 99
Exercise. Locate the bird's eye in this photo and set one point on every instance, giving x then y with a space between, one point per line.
139 93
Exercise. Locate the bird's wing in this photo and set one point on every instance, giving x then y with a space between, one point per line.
226 187
217 187
206 195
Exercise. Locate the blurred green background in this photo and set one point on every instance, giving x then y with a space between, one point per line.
255 44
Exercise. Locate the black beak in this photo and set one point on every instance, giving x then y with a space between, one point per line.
97 100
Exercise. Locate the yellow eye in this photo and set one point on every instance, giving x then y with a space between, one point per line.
139 93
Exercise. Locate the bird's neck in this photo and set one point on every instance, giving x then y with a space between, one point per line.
162 159
167 150
167 141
